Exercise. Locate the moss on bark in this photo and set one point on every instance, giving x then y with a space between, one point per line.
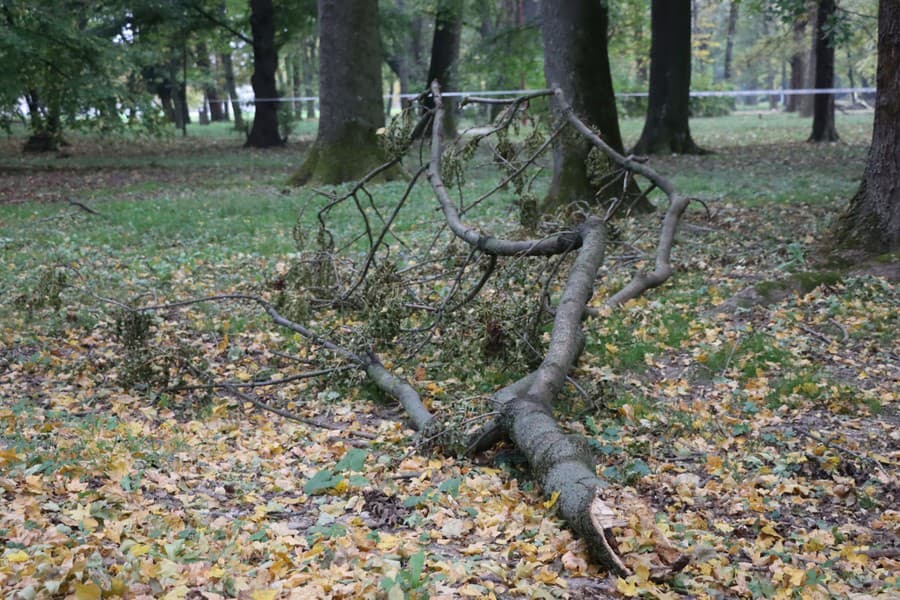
348 157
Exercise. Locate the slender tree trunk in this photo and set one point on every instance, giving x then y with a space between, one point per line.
182 113
296 83
264 132
444 55
823 129
576 60
231 89
668 108
798 63
809 77
351 105
872 221
212 108
733 10
218 111
308 67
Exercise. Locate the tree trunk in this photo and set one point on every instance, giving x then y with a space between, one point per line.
231 89
351 106
46 125
218 109
444 55
212 108
823 104
733 10
872 221
308 67
264 132
668 107
182 112
577 62
809 76
798 64
296 83
823 129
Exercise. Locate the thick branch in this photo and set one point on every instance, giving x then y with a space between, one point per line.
677 204
488 244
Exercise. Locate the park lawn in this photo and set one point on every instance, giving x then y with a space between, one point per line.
762 443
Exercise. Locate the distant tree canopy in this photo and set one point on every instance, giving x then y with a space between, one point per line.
147 63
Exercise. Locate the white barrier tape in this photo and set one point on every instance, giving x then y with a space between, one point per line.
697 94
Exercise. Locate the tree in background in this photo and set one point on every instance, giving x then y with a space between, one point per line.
403 34
733 11
444 57
576 61
350 96
264 133
799 35
507 53
823 129
71 69
872 221
666 128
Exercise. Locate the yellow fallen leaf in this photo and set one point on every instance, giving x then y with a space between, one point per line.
263 594
627 587
545 575
387 541
118 468
216 572
17 557
139 550
552 500
87 591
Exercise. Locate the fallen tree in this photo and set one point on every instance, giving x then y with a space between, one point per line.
412 307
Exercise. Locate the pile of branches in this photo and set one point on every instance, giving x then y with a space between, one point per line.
416 301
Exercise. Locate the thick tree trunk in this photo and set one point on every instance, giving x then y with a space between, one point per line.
733 10
668 108
444 56
576 61
351 106
823 129
798 64
872 221
264 132
231 89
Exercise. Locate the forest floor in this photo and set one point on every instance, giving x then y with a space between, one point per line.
764 443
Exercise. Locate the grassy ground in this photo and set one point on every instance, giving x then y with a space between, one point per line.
763 443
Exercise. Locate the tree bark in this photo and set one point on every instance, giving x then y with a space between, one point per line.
872 221
798 63
733 10
809 77
576 61
350 96
264 132
296 82
444 56
823 129
308 58
212 107
231 89
668 108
